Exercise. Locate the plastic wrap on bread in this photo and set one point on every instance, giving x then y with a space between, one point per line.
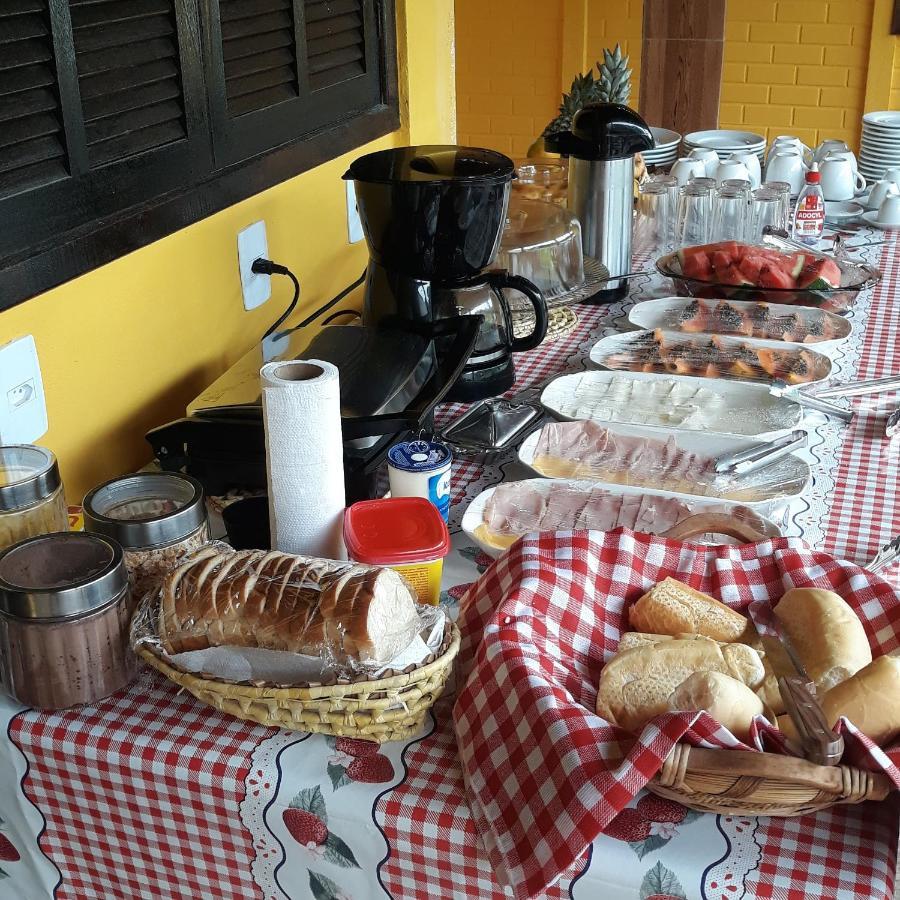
329 618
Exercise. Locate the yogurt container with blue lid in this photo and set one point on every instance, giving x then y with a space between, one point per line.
421 469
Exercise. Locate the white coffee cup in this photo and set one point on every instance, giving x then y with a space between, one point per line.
880 191
892 174
889 211
786 141
838 179
709 157
786 166
685 168
750 161
850 156
831 146
731 168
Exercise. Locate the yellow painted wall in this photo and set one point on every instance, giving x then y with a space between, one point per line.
507 71
804 67
125 347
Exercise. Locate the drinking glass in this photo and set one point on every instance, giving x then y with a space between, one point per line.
653 217
671 182
739 184
765 210
693 217
729 221
710 184
783 189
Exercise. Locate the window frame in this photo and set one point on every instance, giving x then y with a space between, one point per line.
60 258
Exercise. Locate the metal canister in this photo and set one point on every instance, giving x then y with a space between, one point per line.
65 611
601 148
157 517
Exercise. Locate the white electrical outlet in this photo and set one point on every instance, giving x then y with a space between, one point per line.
354 225
23 411
252 244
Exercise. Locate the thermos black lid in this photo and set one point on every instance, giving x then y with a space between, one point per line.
603 131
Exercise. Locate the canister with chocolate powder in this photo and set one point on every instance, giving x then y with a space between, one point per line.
65 610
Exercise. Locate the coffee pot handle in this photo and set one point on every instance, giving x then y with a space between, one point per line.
534 294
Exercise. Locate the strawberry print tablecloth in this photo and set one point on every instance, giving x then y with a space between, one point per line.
150 794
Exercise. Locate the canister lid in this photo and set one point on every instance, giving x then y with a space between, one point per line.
395 531
146 509
60 575
419 456
28 474
604 131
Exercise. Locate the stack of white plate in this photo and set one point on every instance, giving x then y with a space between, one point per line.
879 148
666 150
726 142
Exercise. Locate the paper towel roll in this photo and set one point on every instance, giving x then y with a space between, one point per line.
304 457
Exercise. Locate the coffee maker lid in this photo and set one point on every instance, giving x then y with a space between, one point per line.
603 131
432 163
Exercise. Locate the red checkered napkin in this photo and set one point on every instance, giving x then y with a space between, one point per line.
544 773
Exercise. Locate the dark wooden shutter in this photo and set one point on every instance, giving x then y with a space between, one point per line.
129 76
282 69
32 141
107 108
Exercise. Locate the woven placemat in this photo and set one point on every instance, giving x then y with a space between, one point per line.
562 321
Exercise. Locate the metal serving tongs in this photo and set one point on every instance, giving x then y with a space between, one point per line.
885 556
858 388
820 744
760 455
780 388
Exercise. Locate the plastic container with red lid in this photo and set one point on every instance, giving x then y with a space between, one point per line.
404 533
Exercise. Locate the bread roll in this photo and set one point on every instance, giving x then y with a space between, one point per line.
632 639
870 699
729 701
635 684
826 633
671 607
276 601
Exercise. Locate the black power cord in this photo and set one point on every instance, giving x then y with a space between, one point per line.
264 266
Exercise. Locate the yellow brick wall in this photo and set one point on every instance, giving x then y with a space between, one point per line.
790 67
797 67
508 61
610 23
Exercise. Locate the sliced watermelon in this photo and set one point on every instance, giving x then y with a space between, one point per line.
722 260
819 273
734 249
798 261
697 265
731 274
775 277
751 265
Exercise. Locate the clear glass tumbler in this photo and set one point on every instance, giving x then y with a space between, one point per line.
693 216
765 210
652 225
783 189
671 182
730 214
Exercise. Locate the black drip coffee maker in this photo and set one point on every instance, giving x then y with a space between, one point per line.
432 217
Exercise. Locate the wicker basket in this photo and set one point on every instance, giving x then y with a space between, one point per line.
384 709
737 782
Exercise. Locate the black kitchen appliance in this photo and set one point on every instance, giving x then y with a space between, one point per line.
432 217
391 378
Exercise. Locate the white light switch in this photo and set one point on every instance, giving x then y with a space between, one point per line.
23 411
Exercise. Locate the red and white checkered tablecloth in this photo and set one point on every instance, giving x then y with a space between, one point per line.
150 794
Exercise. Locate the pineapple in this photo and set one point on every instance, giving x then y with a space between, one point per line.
584 90
615 77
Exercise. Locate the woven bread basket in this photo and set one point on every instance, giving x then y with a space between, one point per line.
391 708
738 782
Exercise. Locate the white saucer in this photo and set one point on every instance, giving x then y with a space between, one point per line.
884 118
870 218
842 210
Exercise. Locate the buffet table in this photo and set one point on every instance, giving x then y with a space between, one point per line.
150 794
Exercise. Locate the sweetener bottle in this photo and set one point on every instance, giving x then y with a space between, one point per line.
809 216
